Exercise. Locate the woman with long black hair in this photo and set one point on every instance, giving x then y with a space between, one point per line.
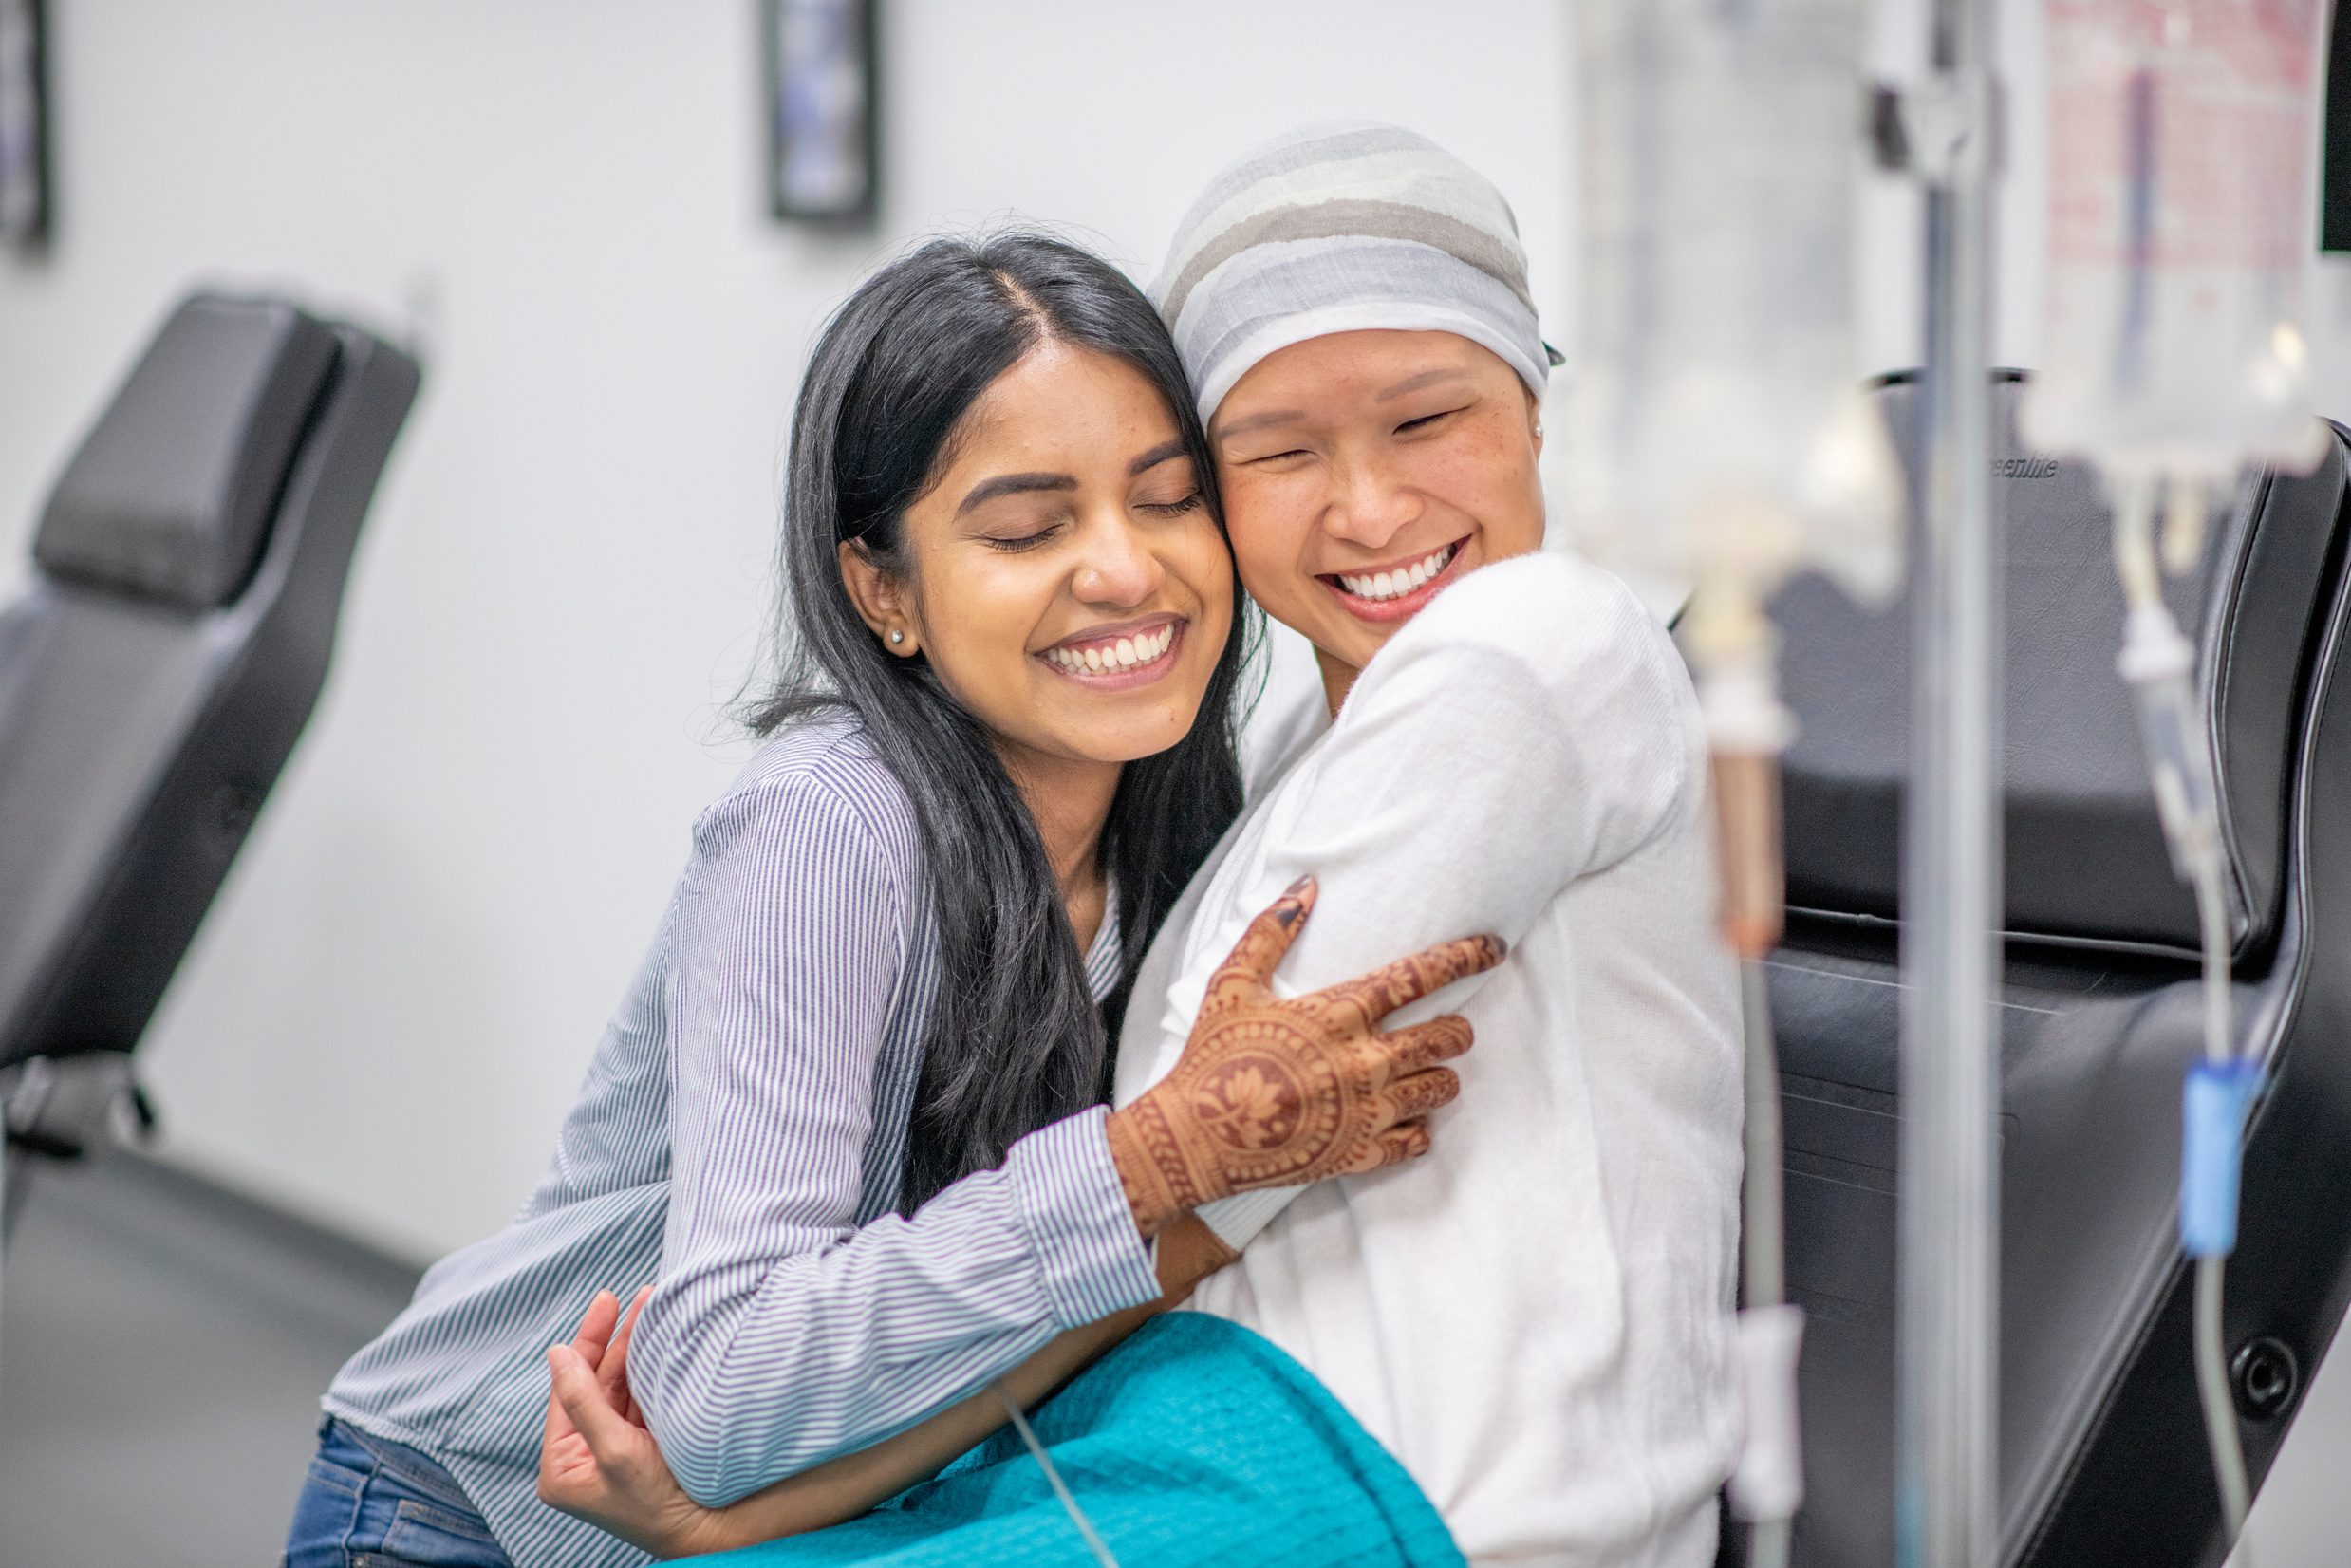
851 1117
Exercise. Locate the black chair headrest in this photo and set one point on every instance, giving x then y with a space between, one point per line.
170 498
2085 856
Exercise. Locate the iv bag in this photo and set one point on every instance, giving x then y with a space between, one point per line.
1714 425
2179 227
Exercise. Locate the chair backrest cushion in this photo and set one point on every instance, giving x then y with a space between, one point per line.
169 500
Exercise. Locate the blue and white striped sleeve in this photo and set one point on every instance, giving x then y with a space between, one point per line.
782 1333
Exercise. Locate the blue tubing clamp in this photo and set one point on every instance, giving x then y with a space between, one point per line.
2212 1121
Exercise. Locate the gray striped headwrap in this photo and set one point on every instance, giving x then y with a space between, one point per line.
1339 228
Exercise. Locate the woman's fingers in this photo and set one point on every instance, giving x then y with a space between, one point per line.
569 1476
1276 1092
1401 1142
628 1318
1424 1045
562 1443
1384 990
1258 952
1421 1094
594 1334
613 1372
581 1400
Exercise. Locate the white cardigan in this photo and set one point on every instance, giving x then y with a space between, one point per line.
1535 1319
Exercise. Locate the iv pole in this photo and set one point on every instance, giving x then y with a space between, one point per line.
1947 1483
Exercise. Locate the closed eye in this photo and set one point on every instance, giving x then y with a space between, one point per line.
1014 545
1426 421
1170 508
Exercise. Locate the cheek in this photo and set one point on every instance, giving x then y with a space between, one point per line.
976 624
1203 564
1270 522
1489 475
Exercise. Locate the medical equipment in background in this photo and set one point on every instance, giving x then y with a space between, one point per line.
1716 433
189 572
2179 231
1943 131
2102 1450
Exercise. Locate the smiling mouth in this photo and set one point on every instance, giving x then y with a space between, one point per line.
1397 582
1125 654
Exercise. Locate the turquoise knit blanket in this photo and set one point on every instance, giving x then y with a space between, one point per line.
1196 1442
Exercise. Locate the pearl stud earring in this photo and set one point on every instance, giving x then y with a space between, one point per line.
897 636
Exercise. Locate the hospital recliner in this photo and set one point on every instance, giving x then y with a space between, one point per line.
190 567
2102 1457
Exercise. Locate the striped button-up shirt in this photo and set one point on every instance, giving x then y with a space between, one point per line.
739 1141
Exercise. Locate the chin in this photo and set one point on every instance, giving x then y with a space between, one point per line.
1126 745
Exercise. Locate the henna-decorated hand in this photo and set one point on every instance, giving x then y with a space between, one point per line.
1270 1093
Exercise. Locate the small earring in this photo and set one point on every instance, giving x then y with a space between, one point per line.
1538 427
897 636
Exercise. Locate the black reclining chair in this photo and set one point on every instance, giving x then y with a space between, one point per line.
191 568
2102 1457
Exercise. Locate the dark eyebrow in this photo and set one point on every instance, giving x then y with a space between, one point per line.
1258 421
1414 383
1013 484
1156 456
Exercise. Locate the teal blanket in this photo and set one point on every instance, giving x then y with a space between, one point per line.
1195 1442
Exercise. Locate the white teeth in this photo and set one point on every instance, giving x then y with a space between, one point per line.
1125 654
1395 584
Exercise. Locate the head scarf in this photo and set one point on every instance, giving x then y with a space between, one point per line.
1339 228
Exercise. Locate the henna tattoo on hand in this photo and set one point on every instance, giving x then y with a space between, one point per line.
1276 1093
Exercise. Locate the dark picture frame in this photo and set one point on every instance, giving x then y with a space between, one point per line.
26 200
2335 166
822 102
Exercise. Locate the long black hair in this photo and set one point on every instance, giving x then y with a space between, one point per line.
1015 1040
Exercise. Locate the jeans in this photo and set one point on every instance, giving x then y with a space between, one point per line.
369 1503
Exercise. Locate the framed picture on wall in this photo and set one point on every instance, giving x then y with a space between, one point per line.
24 125
822 102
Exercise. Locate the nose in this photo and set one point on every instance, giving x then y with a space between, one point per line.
1118 569
1370 503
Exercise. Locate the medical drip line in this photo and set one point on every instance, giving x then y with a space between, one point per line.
1715 434
2157 663
1053 1478
1768 1484
2178 235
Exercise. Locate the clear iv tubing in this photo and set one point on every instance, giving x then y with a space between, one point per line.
1764 1227
1053 1478
1729 642
2156 660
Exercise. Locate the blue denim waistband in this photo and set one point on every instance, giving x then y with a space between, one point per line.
411 1466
